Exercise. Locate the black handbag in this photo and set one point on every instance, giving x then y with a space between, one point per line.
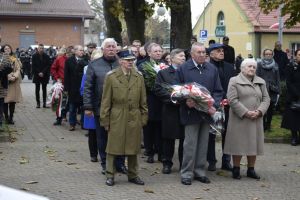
295 106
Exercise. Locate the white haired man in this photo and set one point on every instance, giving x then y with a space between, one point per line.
93 88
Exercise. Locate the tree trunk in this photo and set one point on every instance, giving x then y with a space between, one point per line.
135 19
181 25
113 24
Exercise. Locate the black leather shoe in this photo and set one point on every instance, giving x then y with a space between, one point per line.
212 167
236 173
122 170
294 142
226 166
57 123
136 181
186 181
252 174
203 179
150 159
166 169
110 181
94 159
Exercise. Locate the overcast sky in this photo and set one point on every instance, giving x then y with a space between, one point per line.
197 7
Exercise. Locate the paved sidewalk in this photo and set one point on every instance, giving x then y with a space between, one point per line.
58 160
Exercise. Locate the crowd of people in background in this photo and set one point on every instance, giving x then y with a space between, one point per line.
121 90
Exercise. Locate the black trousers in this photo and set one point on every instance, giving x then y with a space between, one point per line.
92 140
168 149
37 92
152 138
211 150
11 110
268 116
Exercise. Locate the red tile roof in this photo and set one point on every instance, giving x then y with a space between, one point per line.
261 21
47 8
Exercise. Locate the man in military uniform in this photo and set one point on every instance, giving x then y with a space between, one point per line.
123 113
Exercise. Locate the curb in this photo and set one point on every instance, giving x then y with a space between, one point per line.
277 140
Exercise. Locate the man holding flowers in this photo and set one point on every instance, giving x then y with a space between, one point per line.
195 121
152 131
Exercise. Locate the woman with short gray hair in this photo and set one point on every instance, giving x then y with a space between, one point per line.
249 100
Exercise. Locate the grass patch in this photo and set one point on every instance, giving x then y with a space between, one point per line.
276 131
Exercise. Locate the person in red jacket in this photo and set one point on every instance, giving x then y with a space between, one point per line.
57 71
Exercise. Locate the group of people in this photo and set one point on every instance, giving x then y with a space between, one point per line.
123 91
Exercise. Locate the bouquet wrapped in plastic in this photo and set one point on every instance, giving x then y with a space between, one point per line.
219 119
201 96
55 98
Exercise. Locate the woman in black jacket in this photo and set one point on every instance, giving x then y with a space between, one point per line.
268 70
171 127
291 117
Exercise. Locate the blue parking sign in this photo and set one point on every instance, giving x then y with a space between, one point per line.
203 34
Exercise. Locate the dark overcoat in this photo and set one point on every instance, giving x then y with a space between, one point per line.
291 119
206 75
41 64
171 126
73 74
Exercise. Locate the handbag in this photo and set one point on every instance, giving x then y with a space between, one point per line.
295 106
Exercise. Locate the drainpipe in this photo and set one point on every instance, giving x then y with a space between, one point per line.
280 22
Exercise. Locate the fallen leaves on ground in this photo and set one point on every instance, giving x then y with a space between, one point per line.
31 182
255 198
264 185
148 191
198 198
25 189
222 173
154 173
23 160
206 189
242 164
296 171
71 163
72 150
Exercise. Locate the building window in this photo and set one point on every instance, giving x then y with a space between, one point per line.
24 1
220 19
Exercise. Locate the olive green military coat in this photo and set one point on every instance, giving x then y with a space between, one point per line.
124 109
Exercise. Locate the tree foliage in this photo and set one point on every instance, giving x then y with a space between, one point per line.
157 30
291 8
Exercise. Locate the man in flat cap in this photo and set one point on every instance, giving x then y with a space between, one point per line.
226 71
123 113
229 54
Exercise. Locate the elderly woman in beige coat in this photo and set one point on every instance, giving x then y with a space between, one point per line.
14 94
248 100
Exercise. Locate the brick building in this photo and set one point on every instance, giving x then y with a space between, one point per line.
51 22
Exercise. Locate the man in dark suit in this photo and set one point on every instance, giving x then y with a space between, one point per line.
226 71
196 125
41 73
73 72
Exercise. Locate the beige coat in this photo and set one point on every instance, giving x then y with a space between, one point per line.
124 110
245 136
14 93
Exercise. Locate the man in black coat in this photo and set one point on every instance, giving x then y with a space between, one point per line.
281 59
229 53
171 127
93 88
73 72
226 71
41 73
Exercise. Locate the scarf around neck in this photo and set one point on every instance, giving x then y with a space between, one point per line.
267 63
